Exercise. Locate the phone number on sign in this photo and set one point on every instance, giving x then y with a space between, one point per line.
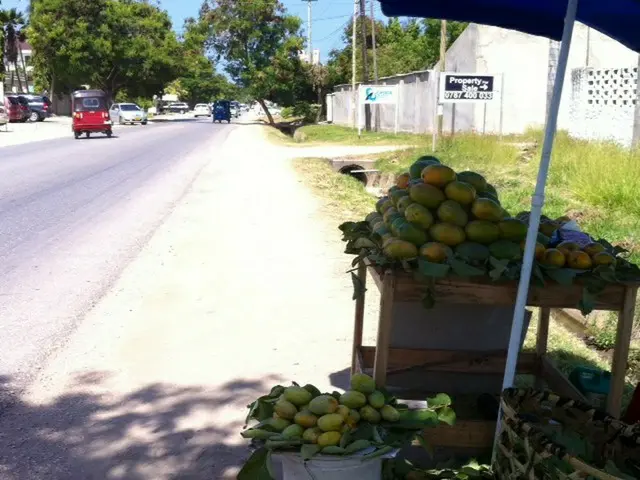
468 95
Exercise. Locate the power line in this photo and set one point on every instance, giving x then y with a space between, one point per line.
341 27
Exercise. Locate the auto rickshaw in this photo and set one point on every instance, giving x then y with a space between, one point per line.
222 111
90 113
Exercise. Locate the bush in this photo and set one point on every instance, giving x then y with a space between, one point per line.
308 111
287 112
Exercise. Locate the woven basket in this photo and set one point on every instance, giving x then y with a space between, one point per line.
544 436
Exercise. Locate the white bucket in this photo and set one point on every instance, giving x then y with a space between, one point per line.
329 467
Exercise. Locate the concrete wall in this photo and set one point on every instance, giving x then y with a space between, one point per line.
526 64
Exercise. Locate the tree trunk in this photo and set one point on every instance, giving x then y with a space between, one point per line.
266 111
52 93
24 69
16 69
321 103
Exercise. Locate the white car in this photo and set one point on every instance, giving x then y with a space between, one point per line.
202 110
122 113
4 116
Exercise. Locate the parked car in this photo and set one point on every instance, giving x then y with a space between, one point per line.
17 108
123 113
4 116
202 110
39 107
178 107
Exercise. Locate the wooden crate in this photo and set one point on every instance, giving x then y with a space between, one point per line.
400 286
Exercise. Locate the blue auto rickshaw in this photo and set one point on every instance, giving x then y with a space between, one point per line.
222 111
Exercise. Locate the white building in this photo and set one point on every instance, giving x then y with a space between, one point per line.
304 56
15 77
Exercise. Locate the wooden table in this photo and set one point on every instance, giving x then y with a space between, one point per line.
400 286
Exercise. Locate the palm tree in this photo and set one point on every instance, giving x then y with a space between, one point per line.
11 24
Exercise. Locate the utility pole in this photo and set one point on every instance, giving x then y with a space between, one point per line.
443 55
309 43
635 142
354 101
365 61
375 61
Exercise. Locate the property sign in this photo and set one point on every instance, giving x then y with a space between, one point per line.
466 87
378 94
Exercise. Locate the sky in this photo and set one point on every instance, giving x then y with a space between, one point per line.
329 17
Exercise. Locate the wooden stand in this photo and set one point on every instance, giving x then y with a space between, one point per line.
399 286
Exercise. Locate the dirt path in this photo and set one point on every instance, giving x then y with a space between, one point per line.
243 287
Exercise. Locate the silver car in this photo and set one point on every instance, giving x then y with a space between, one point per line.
123 113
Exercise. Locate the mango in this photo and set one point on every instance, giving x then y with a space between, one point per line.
477 181
370 414
400 249
487 209
473 251
357 445
323 405
373 217
311 435
389 414
353 399
415 171
593 248
344 411
397 195
353 418
426 195
603 258
505 250
482 231
513 229
305 419
579 260
435 252
293 431
285 409
330 422
403 180
403 203
258 434
567 247
554 257
278 424
447 233
438 175
383 205
376 399
461 192
419 215
451 212
297 395
411 233
329 438
363 383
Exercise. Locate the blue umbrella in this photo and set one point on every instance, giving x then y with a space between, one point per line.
619 19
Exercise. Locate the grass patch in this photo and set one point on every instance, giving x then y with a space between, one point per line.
337 135
347 199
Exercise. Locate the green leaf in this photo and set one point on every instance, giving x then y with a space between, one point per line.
537 274
588 301
440 400
256 468
363 242
563 276
463 269
447 415
426 445
378 453
308 451
416 419
607 273
358 288
364 431
499 267
347 227
430 269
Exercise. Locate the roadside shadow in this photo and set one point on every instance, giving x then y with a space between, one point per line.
341 379
160 431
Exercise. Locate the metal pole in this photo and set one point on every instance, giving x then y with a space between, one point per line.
443 67
375 63
484 119
501 105
354 101
635 142
309 45
537 201
365 61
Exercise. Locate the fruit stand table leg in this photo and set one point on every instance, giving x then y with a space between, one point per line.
359 320
621 352
381 360
544 314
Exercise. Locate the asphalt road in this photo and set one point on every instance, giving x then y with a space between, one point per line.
73 214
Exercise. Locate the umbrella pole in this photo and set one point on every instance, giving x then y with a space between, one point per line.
537 202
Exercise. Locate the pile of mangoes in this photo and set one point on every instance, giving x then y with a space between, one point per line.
303 415
434 212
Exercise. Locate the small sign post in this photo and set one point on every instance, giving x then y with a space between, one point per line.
472 88
378 95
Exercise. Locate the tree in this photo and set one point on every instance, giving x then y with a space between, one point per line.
259 43
110 44
12 23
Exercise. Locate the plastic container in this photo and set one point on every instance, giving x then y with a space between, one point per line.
594 384
329 467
